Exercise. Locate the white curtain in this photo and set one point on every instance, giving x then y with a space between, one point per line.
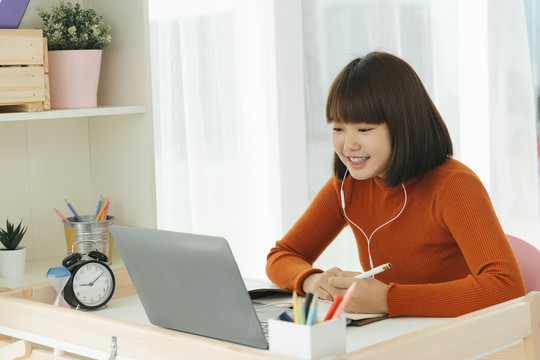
473 58
216 144
239 94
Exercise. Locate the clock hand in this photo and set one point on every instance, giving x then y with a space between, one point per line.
92 283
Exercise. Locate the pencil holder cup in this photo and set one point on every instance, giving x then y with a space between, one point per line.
327 338
97 231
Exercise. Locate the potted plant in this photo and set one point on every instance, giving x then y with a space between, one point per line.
76 37
13 256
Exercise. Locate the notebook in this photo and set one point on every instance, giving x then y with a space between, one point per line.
190 283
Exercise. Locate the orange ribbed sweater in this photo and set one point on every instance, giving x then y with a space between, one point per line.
448 251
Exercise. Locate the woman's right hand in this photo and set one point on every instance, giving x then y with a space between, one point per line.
318 283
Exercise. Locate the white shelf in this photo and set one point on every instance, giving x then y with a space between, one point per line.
73 113
36 271
83 153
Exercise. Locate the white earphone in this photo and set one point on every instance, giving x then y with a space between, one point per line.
359 228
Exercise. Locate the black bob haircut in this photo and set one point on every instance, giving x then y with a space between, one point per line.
382 88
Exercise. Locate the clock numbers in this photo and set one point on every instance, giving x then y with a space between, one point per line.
93 284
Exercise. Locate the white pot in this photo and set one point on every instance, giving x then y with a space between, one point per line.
12 262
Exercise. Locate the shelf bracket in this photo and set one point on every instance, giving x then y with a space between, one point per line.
113 348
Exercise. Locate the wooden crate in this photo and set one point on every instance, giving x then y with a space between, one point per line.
24 79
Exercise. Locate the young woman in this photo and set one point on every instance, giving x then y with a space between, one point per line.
408 202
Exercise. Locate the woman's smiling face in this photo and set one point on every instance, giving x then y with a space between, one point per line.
364 148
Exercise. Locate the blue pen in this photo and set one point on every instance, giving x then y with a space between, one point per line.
312 316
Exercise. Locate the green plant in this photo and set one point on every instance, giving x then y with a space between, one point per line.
12 236
70 27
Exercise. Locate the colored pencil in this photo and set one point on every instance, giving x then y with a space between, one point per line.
101 211
302 314
333 307
295 308
73 211
307 303
311 318
344 302
106 213
98 206
61 216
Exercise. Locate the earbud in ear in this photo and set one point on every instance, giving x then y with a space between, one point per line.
99 256
71 259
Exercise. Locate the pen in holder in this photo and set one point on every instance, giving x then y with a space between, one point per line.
324 339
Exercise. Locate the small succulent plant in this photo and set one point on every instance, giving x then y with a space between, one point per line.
11 236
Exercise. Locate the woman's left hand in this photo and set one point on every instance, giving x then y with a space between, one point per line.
369 296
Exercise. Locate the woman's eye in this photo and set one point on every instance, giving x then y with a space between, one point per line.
364 130
337 129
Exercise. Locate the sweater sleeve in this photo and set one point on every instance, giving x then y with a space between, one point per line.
463 208
292 258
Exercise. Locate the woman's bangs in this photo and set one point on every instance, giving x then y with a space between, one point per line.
352 106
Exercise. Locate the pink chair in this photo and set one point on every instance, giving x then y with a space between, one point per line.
528 258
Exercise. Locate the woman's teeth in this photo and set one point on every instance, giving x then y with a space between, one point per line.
359 160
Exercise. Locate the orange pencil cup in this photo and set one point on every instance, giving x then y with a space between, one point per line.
88 229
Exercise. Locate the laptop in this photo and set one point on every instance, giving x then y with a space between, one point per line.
190 283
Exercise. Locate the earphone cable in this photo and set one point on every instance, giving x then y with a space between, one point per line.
359 228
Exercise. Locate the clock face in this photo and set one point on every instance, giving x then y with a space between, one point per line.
93 284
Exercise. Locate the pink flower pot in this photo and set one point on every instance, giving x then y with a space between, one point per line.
74 78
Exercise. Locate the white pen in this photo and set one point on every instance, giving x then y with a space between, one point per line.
374 271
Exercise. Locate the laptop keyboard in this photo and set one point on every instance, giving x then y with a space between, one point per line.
264 325
265 312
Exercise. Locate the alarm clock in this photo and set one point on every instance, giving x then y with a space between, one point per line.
91 284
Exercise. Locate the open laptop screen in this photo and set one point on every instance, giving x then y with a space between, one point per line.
190 283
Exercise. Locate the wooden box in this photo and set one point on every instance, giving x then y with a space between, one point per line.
24 82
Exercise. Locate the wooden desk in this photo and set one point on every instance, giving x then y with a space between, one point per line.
25 313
